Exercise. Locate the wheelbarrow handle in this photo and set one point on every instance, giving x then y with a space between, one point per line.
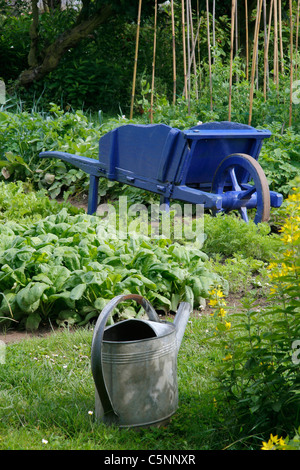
96 353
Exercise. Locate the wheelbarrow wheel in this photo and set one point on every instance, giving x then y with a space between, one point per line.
227 175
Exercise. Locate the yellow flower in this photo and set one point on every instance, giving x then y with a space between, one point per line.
274 438
272 265
213 302
222 312
294 197
219 293
273 290
273 443
228 325
268 445
216 293
287 239
227 358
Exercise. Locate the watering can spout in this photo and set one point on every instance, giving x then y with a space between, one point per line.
180 322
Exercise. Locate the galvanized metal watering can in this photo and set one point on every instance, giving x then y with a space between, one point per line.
134 366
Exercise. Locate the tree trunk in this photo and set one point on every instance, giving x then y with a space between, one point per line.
34 35
51 4
53 53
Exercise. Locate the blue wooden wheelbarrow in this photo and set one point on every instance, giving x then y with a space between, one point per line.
214 164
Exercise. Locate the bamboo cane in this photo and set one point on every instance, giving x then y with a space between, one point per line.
231 56
214 28
266 75
153 62
276 79
291 62
136 57
236 36
184 49
188 53
297 37
194 45
265 45
280 37
255 46
257 7
209 55
193 57
247 41
174 52
198 45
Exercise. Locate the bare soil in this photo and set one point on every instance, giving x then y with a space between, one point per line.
12 335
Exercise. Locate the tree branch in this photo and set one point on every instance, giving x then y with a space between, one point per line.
53 53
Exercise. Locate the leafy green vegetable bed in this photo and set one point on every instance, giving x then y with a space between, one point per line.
66 267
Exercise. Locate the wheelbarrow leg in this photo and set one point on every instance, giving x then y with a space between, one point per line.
93 194
166 202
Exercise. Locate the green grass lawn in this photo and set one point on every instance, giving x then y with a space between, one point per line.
47 396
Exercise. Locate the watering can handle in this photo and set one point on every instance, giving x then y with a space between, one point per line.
96 355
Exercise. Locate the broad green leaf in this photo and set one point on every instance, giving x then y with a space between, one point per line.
95 266
189 295
180 253
33 321
3 117
174 302
147 282
17 159
112 260
65 295
78 292
34 241
100 303
29 298
58 275
74 279
68 256
41 277
175 274
162 300
7 304
89 316
128 312
68 316
92 277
